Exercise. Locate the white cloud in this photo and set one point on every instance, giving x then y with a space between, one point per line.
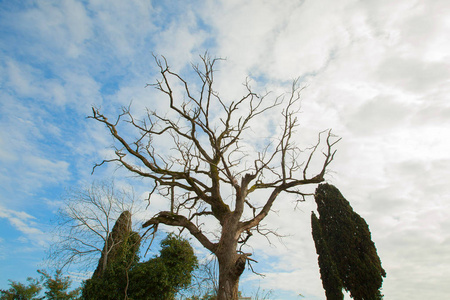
119 33
63 26
397 71
26 224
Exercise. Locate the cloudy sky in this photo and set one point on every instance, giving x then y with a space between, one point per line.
377 72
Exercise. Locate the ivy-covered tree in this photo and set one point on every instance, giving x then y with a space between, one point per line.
163 276
121 246
343 241
120 253
159 278
20 291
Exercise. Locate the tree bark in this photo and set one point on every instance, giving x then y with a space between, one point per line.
228 283
231 264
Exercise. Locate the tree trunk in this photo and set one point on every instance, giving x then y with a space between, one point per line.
229 274
231 264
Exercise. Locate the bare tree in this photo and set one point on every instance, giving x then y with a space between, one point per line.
84 230
206 155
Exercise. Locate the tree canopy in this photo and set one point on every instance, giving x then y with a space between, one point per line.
328 270
20 291
163 276
347 255
56 288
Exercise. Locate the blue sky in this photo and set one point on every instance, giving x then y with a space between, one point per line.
377 72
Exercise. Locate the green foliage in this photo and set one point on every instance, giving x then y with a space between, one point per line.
112 284
58 288
350 247
178 255
20 291
122 244
328 271
162 277
159 278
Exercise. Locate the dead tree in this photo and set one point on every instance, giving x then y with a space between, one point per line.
206 133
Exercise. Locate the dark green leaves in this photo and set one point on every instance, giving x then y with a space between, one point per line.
162 277
345 248
329 274
20 291
159 278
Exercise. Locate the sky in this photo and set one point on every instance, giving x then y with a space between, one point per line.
376 72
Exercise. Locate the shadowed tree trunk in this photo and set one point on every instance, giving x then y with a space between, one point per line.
231 264
119 234
119 255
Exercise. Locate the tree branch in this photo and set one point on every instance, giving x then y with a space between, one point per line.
168 218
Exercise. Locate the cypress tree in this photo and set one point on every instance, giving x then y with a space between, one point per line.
348 240
328 271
